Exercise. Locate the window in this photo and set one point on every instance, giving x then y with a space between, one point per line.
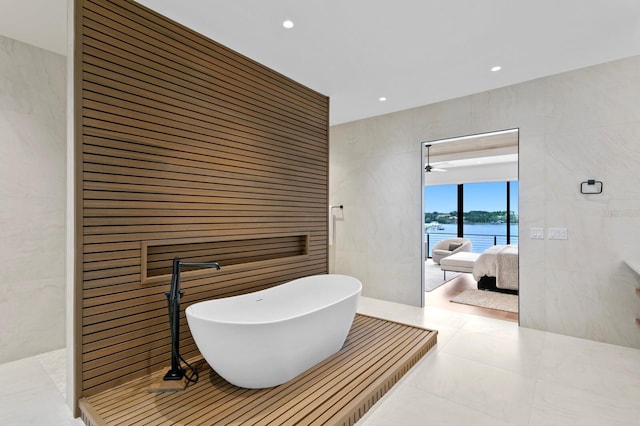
486 213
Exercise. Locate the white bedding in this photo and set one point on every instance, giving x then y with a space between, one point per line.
499 261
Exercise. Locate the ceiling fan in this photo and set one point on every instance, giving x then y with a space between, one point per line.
429 168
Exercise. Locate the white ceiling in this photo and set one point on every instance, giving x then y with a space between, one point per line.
413 52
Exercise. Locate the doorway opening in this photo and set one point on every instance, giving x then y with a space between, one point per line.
470 233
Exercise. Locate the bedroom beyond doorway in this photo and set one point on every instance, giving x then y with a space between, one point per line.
470 203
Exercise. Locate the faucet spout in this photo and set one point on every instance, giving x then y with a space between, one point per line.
201 264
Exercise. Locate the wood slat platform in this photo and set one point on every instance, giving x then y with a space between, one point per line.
338 391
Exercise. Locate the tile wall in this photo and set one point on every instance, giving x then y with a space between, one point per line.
579 125
32 200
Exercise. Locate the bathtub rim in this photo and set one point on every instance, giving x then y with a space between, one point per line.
189 312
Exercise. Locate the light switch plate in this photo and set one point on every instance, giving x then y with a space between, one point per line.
537 233
558 233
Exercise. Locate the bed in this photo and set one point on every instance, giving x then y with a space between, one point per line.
497 269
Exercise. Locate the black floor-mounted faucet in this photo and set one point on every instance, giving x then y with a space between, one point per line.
173 300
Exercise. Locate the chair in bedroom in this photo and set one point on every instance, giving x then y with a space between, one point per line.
448 247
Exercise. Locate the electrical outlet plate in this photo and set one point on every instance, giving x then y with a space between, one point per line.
558 233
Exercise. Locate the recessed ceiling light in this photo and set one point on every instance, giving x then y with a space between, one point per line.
382 99
496 68
287 24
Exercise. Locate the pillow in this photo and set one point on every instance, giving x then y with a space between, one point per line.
453 246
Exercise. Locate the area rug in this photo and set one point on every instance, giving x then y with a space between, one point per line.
488 299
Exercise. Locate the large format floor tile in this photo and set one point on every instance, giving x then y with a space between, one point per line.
29 396
488 371
483 371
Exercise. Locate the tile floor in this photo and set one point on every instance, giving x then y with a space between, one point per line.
32 392
486 371
483 371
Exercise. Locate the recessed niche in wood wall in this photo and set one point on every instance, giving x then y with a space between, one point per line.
157 256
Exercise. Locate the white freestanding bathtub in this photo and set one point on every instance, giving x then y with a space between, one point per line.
266 338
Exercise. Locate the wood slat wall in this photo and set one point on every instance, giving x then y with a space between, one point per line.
184 145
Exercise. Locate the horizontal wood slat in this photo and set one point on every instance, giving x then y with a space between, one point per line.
182 139
211 154
158 58
337 391
232 133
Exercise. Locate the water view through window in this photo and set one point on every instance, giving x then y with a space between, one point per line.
485 218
